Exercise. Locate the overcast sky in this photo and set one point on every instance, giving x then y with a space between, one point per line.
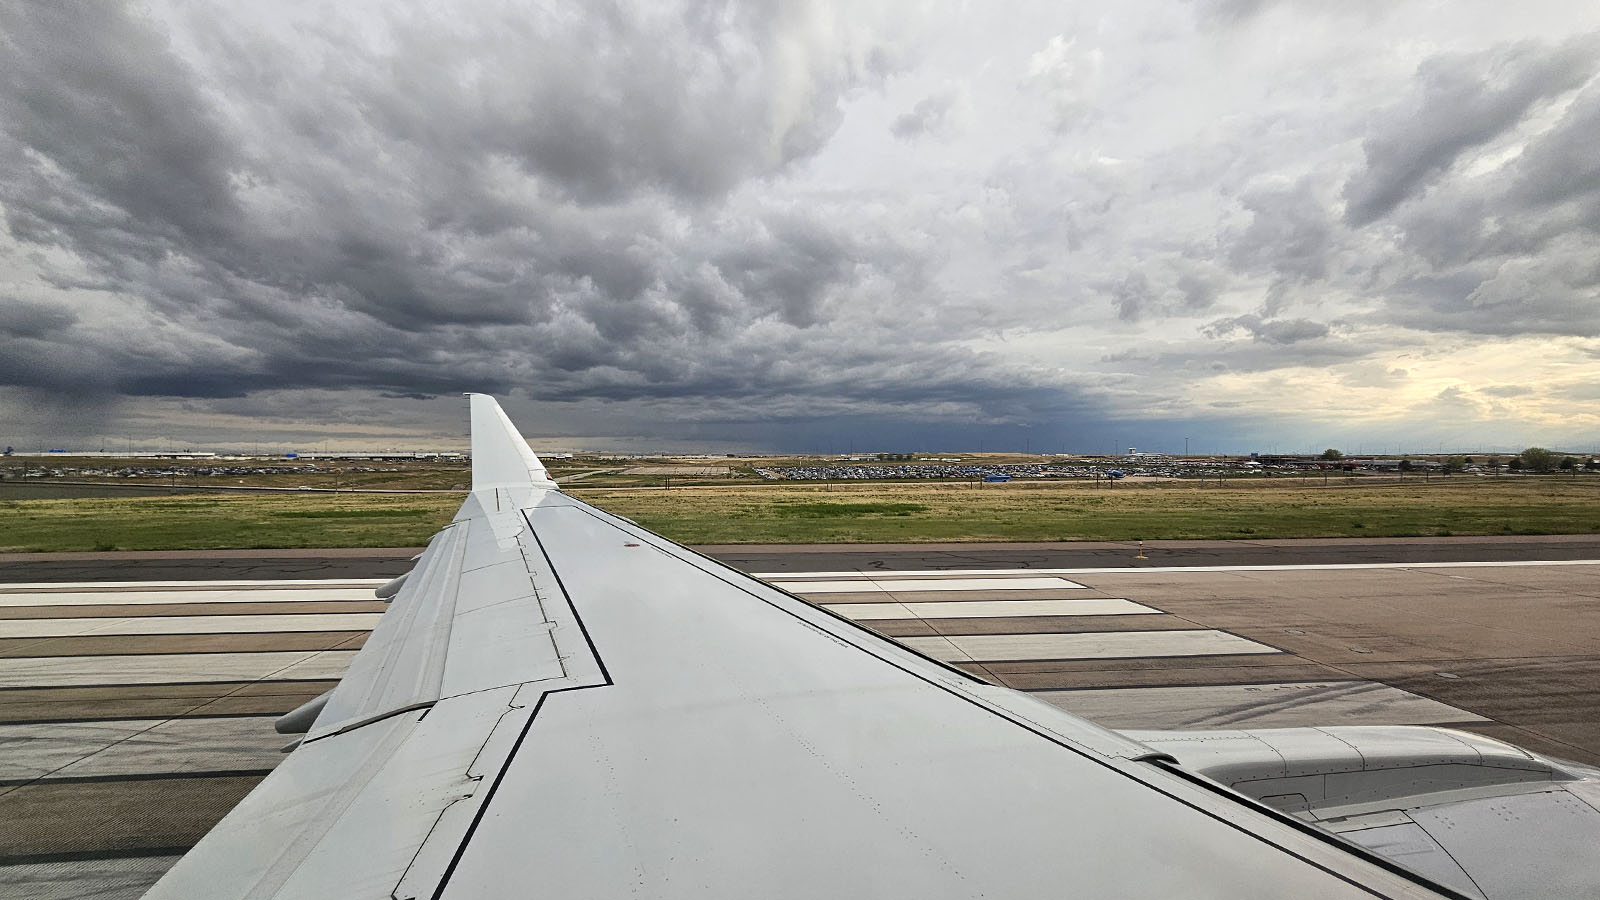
1253 225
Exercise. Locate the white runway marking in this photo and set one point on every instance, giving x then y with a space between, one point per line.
928 584
910 573
84 627
970 609
161 668
252 595
1284 705
1091 645
1132 570
303 583
125 878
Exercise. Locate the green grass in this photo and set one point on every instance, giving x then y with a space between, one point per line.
766 513
1056 512
847 510
399 513
223 522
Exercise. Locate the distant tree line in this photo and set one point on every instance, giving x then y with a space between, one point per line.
1538 459
1533 459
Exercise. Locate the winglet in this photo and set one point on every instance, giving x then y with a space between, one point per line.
500 456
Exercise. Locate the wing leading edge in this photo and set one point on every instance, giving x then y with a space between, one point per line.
561 702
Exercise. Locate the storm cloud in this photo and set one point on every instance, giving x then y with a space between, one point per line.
746 221
1460 102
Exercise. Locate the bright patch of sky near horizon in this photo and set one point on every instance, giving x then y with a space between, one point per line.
1253 225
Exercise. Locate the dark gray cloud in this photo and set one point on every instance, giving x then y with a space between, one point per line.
714 218
1271 331
1512 252
1229 12
514 185
929 116
1224 14
1557 292
1199 292
109 134
691 101
1290 232
1561 167
1460 102
1133 297
21 320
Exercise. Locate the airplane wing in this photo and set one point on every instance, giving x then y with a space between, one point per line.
559 703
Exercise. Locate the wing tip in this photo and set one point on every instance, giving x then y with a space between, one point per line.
501 456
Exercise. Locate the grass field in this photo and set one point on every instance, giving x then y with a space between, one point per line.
864 512
228 521
1150 512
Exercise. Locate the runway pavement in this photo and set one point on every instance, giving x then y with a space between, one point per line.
135 713
203 565
1124 554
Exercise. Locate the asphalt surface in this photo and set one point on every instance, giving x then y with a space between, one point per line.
1160 554
108 779
210 565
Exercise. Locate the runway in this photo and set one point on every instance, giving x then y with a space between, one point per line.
211 565
135 712
1159 554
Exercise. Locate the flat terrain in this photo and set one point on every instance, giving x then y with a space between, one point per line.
135 716
784 559
786 513
36 477
220 521
1281 508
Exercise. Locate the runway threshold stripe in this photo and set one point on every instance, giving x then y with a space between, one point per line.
928 584
124 611
865 574
46 587
1272 705
167 625
910 573
167 597
1107 606
1085 645
169 668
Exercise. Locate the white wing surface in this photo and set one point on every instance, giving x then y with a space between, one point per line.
559 703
